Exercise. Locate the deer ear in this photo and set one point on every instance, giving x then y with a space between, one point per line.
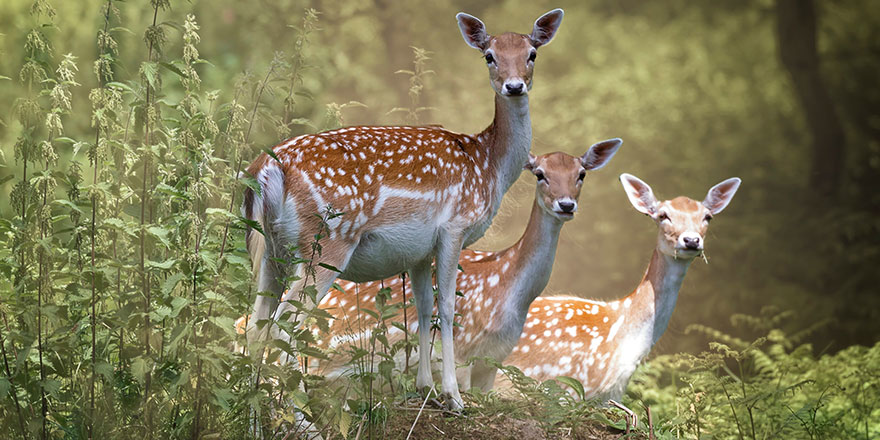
473 30
720 195
546 27
600 154
639 193
530 164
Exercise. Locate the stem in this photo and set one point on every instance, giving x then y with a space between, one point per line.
145 279
12 385
94 299
406 347
43 278
198 416
118 288
742 382
44 406
732 408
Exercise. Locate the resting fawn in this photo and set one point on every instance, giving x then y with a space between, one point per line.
601 343
408 196
497 287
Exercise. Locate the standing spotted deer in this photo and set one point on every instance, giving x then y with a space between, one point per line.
497 287
599 343
409 196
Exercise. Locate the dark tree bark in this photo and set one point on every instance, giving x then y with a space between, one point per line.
796 35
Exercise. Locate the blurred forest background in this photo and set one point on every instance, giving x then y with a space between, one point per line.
698 92
782 93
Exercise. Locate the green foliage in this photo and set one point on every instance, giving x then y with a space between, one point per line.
772 387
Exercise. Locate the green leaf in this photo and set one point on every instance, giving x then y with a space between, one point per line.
225 323
253 224
151 72
177 336
165 265
174 69
574 384
344 422
171 282
104 369
220 212
222 397
272 155
160 234
139 369
177 304
236 260
300 121
172 191
251 183
301 400
329 267
65 202
214 296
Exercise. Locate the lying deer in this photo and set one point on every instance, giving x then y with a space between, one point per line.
408 196
600 343
497 287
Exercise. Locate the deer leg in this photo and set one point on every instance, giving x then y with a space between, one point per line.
269 291
420 276
448 250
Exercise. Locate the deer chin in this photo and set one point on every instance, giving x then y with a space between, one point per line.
564 216
680 253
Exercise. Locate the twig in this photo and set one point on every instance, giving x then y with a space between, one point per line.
428 396
630 415
360 427
650 422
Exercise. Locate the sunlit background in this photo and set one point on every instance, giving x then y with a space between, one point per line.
698 91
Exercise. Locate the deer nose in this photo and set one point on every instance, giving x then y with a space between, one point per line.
567 206
692 243
514 87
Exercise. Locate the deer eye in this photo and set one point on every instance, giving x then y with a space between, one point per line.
489 58
540 175
662 216
582 175
708 218
532 55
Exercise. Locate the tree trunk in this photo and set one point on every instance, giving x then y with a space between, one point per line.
796 34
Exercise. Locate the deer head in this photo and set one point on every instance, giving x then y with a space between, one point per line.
682 221
510 56
560 176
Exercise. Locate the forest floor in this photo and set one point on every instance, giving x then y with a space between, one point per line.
437 425
501 420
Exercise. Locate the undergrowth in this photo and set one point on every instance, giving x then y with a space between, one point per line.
770 387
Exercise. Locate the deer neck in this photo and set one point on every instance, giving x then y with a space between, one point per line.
508 140
656 295
531 261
